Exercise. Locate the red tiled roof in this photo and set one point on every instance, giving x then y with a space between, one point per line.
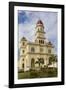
40 22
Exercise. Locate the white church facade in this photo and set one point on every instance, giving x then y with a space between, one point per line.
32 52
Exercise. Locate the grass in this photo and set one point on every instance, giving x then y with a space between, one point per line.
43 73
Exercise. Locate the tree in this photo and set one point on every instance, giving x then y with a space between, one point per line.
53 59
40 61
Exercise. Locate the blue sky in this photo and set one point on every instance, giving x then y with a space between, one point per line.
27 21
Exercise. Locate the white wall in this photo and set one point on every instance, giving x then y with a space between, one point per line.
4 44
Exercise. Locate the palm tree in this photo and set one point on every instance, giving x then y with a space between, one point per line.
53 59
40 61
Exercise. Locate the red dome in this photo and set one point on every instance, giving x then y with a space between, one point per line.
40 22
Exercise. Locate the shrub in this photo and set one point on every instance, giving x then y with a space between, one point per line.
21 71
33 74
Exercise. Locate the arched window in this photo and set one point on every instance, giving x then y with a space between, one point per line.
39 41
23 59
38 29
41 49
43 41
49 51
23 51
23 65
42 60
32 63
23 43
32 49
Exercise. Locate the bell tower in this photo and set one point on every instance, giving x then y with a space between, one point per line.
40 34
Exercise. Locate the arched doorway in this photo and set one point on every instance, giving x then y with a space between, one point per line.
32 63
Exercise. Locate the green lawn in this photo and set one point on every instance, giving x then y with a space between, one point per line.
43 73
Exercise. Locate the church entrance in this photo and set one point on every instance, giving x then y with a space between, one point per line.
32 63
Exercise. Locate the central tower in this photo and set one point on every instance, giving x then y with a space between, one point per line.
40 34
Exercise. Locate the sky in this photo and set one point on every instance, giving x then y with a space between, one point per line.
27 22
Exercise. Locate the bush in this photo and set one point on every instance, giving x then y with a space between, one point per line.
52 72
43 73
21 71
33 74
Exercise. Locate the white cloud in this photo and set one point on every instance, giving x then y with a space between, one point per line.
26 31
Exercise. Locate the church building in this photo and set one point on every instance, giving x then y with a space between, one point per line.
36 53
